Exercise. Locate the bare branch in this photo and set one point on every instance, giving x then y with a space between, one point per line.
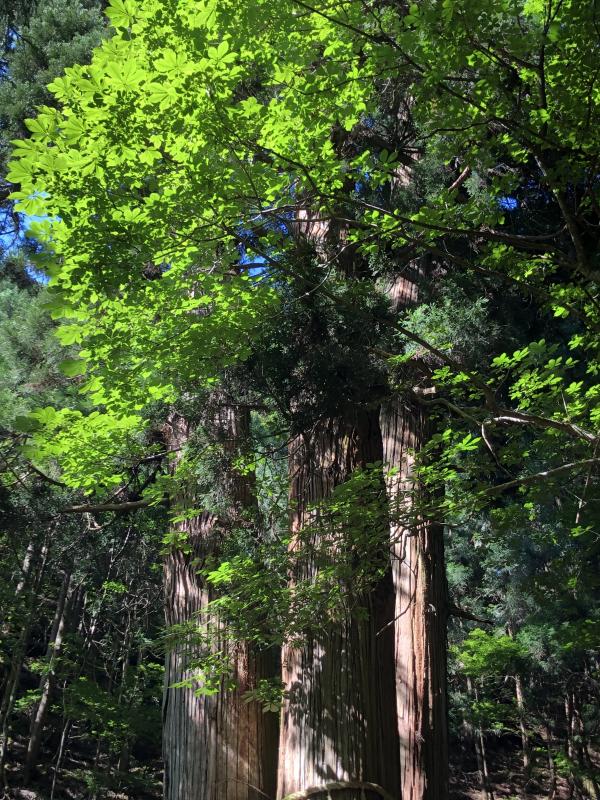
132 505
537 477
45 477
460 180
456 611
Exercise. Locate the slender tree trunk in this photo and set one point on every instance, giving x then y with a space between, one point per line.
338 721
12 683
59 756
48 680
420 615
480 751
521 711
551 765
123 760
588 781
574 750
85 650
216 747
11 616
29 560
480 744
525 747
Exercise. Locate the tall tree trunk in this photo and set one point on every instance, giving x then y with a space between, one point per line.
419 575
521 711
589 783
420 615
547 732
338 721
216 747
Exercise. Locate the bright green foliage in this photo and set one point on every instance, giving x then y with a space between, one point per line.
39 39
177 173
89 447
482 654
188 140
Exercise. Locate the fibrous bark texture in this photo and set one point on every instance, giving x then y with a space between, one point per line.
420 615
216 747
338 717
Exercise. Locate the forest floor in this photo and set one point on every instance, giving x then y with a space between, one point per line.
80 781
506 778
506 786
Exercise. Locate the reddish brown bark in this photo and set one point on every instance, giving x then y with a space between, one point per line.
330 729
420 616
338 718
215 747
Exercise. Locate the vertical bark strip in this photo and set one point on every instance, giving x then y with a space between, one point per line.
337 720
420 617
215 747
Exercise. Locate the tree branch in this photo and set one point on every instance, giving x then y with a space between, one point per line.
527 480
460 180
456 611
45 477
132 505
507 416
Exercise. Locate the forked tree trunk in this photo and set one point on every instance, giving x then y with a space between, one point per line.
216 747
338 722
420 616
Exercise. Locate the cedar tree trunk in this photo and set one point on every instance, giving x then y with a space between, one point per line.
420 616
338 722
216 747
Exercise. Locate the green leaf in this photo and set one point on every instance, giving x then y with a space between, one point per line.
72 367
121 13
26 424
